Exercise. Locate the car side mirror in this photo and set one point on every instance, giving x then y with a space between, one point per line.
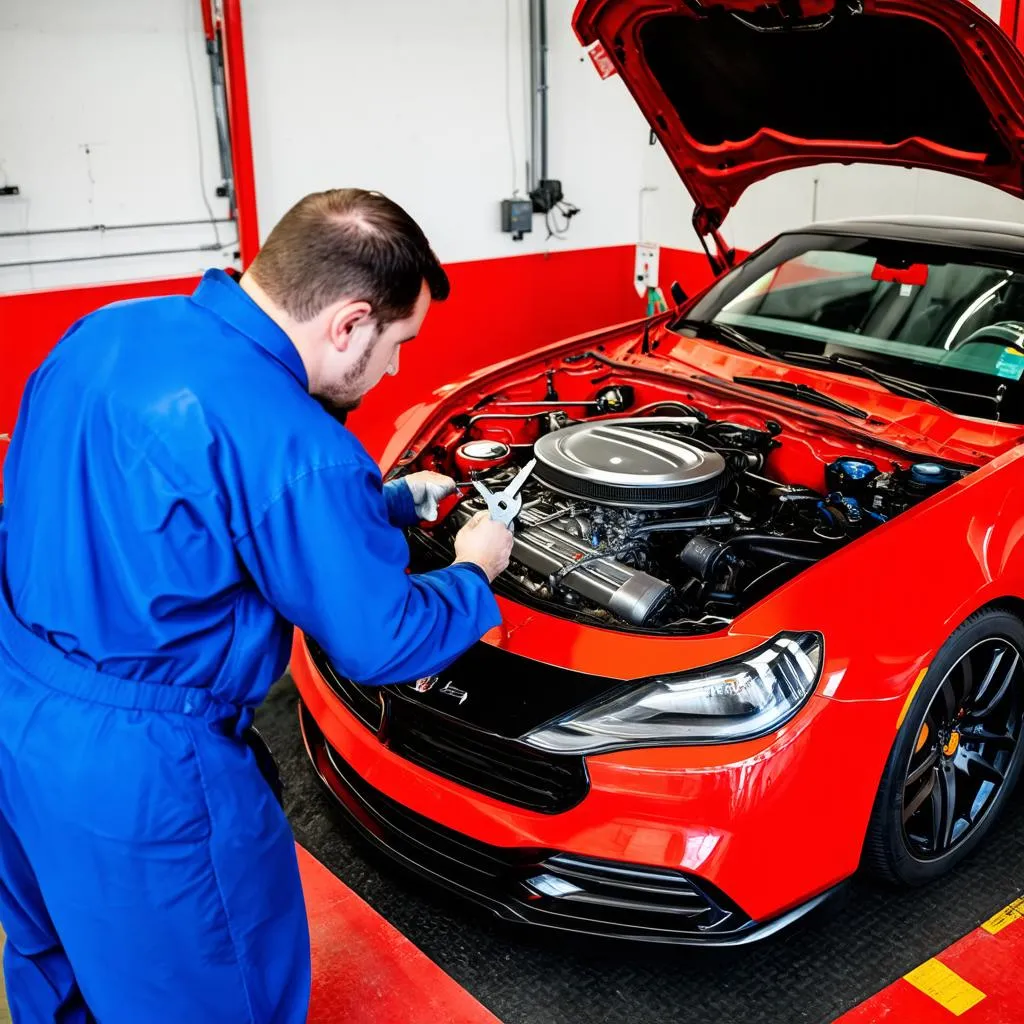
678 295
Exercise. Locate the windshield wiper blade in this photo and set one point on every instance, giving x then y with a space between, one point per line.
897 385
804 392
727 335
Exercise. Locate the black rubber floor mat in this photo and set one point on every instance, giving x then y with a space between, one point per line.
811 974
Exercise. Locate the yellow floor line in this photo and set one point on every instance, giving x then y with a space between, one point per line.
1005 917
945 986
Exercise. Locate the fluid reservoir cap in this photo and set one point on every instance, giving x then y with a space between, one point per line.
930 473
485 450
481 455
856 469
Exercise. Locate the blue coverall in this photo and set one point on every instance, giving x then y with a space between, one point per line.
175 500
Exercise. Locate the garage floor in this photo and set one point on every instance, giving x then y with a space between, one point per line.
812 975
5 1016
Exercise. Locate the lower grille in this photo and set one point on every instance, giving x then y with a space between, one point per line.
496 766
534 886
626 894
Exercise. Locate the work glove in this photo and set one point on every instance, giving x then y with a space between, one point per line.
427 489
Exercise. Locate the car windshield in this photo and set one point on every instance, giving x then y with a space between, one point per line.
950 320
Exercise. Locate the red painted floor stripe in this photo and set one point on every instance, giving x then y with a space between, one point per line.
988 962
367 972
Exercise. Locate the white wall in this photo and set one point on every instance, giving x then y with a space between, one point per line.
823 193
426 101
98 126
993 8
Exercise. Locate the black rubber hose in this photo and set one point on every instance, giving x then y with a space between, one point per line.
786 498
796 549
683 524
591 354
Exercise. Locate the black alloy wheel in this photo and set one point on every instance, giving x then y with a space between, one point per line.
964 748
957 756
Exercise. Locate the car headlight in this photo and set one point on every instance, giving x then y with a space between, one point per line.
742 699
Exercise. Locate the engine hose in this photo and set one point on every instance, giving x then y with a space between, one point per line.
683 524
504 416
597 357
786 498
796 549
555 579
670 403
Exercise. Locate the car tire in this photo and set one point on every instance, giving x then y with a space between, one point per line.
921 848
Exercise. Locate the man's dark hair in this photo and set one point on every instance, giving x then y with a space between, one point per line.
348 242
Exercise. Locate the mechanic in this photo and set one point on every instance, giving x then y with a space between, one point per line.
181 490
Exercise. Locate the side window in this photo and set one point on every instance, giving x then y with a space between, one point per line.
990 297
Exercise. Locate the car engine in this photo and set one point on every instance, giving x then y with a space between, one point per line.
667 523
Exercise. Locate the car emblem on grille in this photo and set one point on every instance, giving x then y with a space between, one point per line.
426 684
449 690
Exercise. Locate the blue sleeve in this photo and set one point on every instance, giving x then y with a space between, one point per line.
326 556
401 509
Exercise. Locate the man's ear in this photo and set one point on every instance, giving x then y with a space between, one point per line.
345 319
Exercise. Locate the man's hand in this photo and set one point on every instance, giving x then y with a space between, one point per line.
427 489
484 542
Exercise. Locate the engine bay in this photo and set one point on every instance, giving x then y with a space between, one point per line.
650 510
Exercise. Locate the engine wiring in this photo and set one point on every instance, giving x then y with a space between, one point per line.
677 520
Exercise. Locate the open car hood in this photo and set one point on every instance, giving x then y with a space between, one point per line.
740 89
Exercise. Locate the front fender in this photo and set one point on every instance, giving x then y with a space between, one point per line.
888 601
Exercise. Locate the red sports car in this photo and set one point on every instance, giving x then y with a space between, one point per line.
764 618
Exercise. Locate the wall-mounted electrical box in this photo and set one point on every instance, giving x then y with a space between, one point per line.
547 195
645 271
517 217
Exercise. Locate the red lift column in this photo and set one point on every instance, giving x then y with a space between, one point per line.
1012 21
222 24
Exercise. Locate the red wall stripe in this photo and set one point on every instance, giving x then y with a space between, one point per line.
33 322
499 308
502 308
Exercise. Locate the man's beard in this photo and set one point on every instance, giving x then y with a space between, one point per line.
340 401
338 408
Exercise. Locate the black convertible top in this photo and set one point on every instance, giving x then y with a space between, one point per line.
992 235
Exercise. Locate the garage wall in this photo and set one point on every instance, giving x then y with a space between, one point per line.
107 118
451 150
113 123
331 104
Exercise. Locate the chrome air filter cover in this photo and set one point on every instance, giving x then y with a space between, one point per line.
634 462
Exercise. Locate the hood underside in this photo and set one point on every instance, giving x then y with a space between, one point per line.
738 90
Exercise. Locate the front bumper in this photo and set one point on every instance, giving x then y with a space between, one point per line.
554 890
759 830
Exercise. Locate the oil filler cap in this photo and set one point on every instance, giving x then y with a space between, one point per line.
481 456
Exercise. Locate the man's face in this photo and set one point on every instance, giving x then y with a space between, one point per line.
369 355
